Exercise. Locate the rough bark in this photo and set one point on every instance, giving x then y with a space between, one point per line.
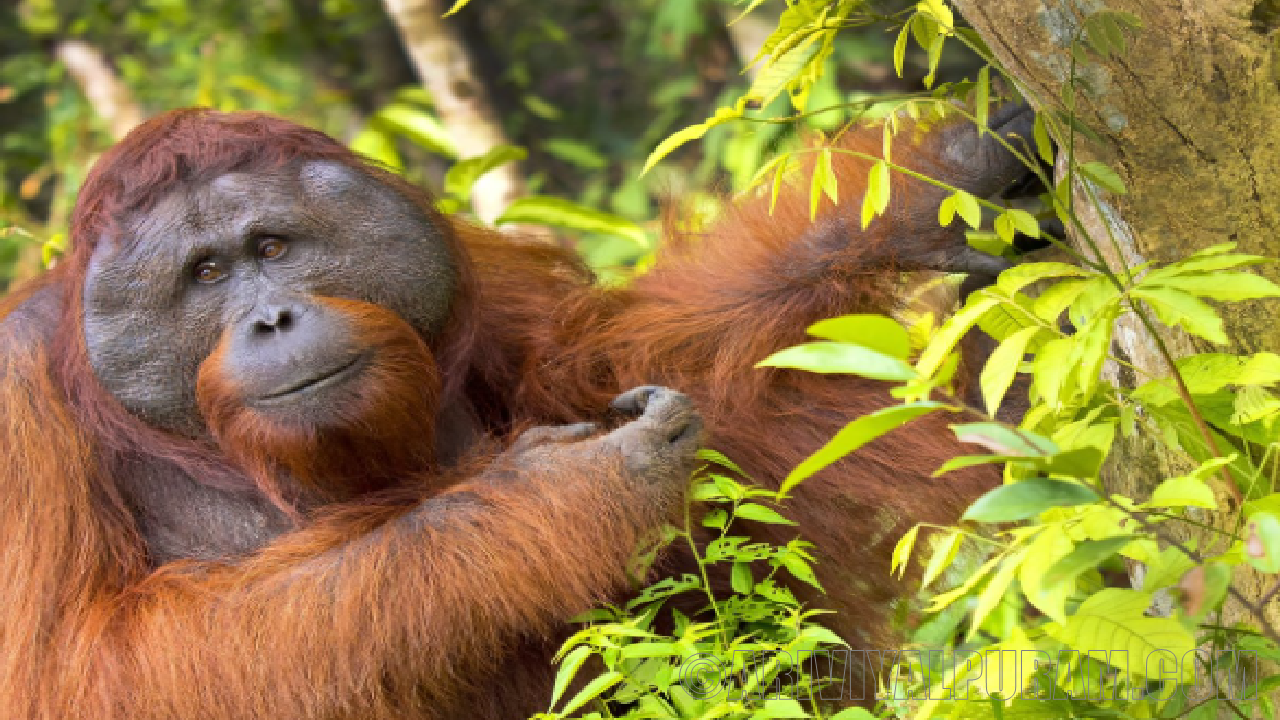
460 98
1187 117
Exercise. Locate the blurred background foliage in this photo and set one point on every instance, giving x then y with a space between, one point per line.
587 87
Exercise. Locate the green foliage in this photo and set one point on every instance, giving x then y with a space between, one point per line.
742 655
1052 538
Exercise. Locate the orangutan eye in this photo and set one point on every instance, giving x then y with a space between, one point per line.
272 248
208 271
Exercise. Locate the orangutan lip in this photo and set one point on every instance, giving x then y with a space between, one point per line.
332 377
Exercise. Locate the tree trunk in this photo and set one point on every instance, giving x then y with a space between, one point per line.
460 98
109 96
1188 118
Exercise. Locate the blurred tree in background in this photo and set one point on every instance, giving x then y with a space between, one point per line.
586 87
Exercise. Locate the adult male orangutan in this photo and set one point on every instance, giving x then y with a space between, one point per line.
261 426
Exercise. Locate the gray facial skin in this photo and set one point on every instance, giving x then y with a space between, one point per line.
152 315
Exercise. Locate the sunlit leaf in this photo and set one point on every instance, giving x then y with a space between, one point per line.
1001 367
558 212
944 552
968 208
952 330
1226 286
1187 491
592 690
460 179
1104 176
1028 498
1087 555
996 587
902 551
417 125
855 435
760 513
838 357
880 333
1004 440
1175 307
568 670
1262 542
1113 620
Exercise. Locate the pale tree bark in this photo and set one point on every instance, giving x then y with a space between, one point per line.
1188 117
460 98
106 92
747 33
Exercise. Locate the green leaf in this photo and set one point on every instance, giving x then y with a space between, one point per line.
823 182
855 435
1044 145
982 97
464 174
1262 542
1226 286
650 649
1024 222
1052 372
902 551
1113 621
456 7
558 212
900 47
741 579
968 208
1001 367
592 690
1087 555
877 332
771 79
853 714
1004 440
1174 307
760 513
1004 228
944 551
716 518
967 461
568 670
1028 498
378 146
1054 299
780 708
1267 503
1080 462
883 185
876 198
1020 276
945 339
1051 545
1104 176
1187 491
1204 263
838 357
994 592
574 152
947 210
673 141
418 126
800 568
719 458
1091 347
940 12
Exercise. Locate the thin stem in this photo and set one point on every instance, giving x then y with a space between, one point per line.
702 570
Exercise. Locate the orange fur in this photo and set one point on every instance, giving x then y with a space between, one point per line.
380 605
